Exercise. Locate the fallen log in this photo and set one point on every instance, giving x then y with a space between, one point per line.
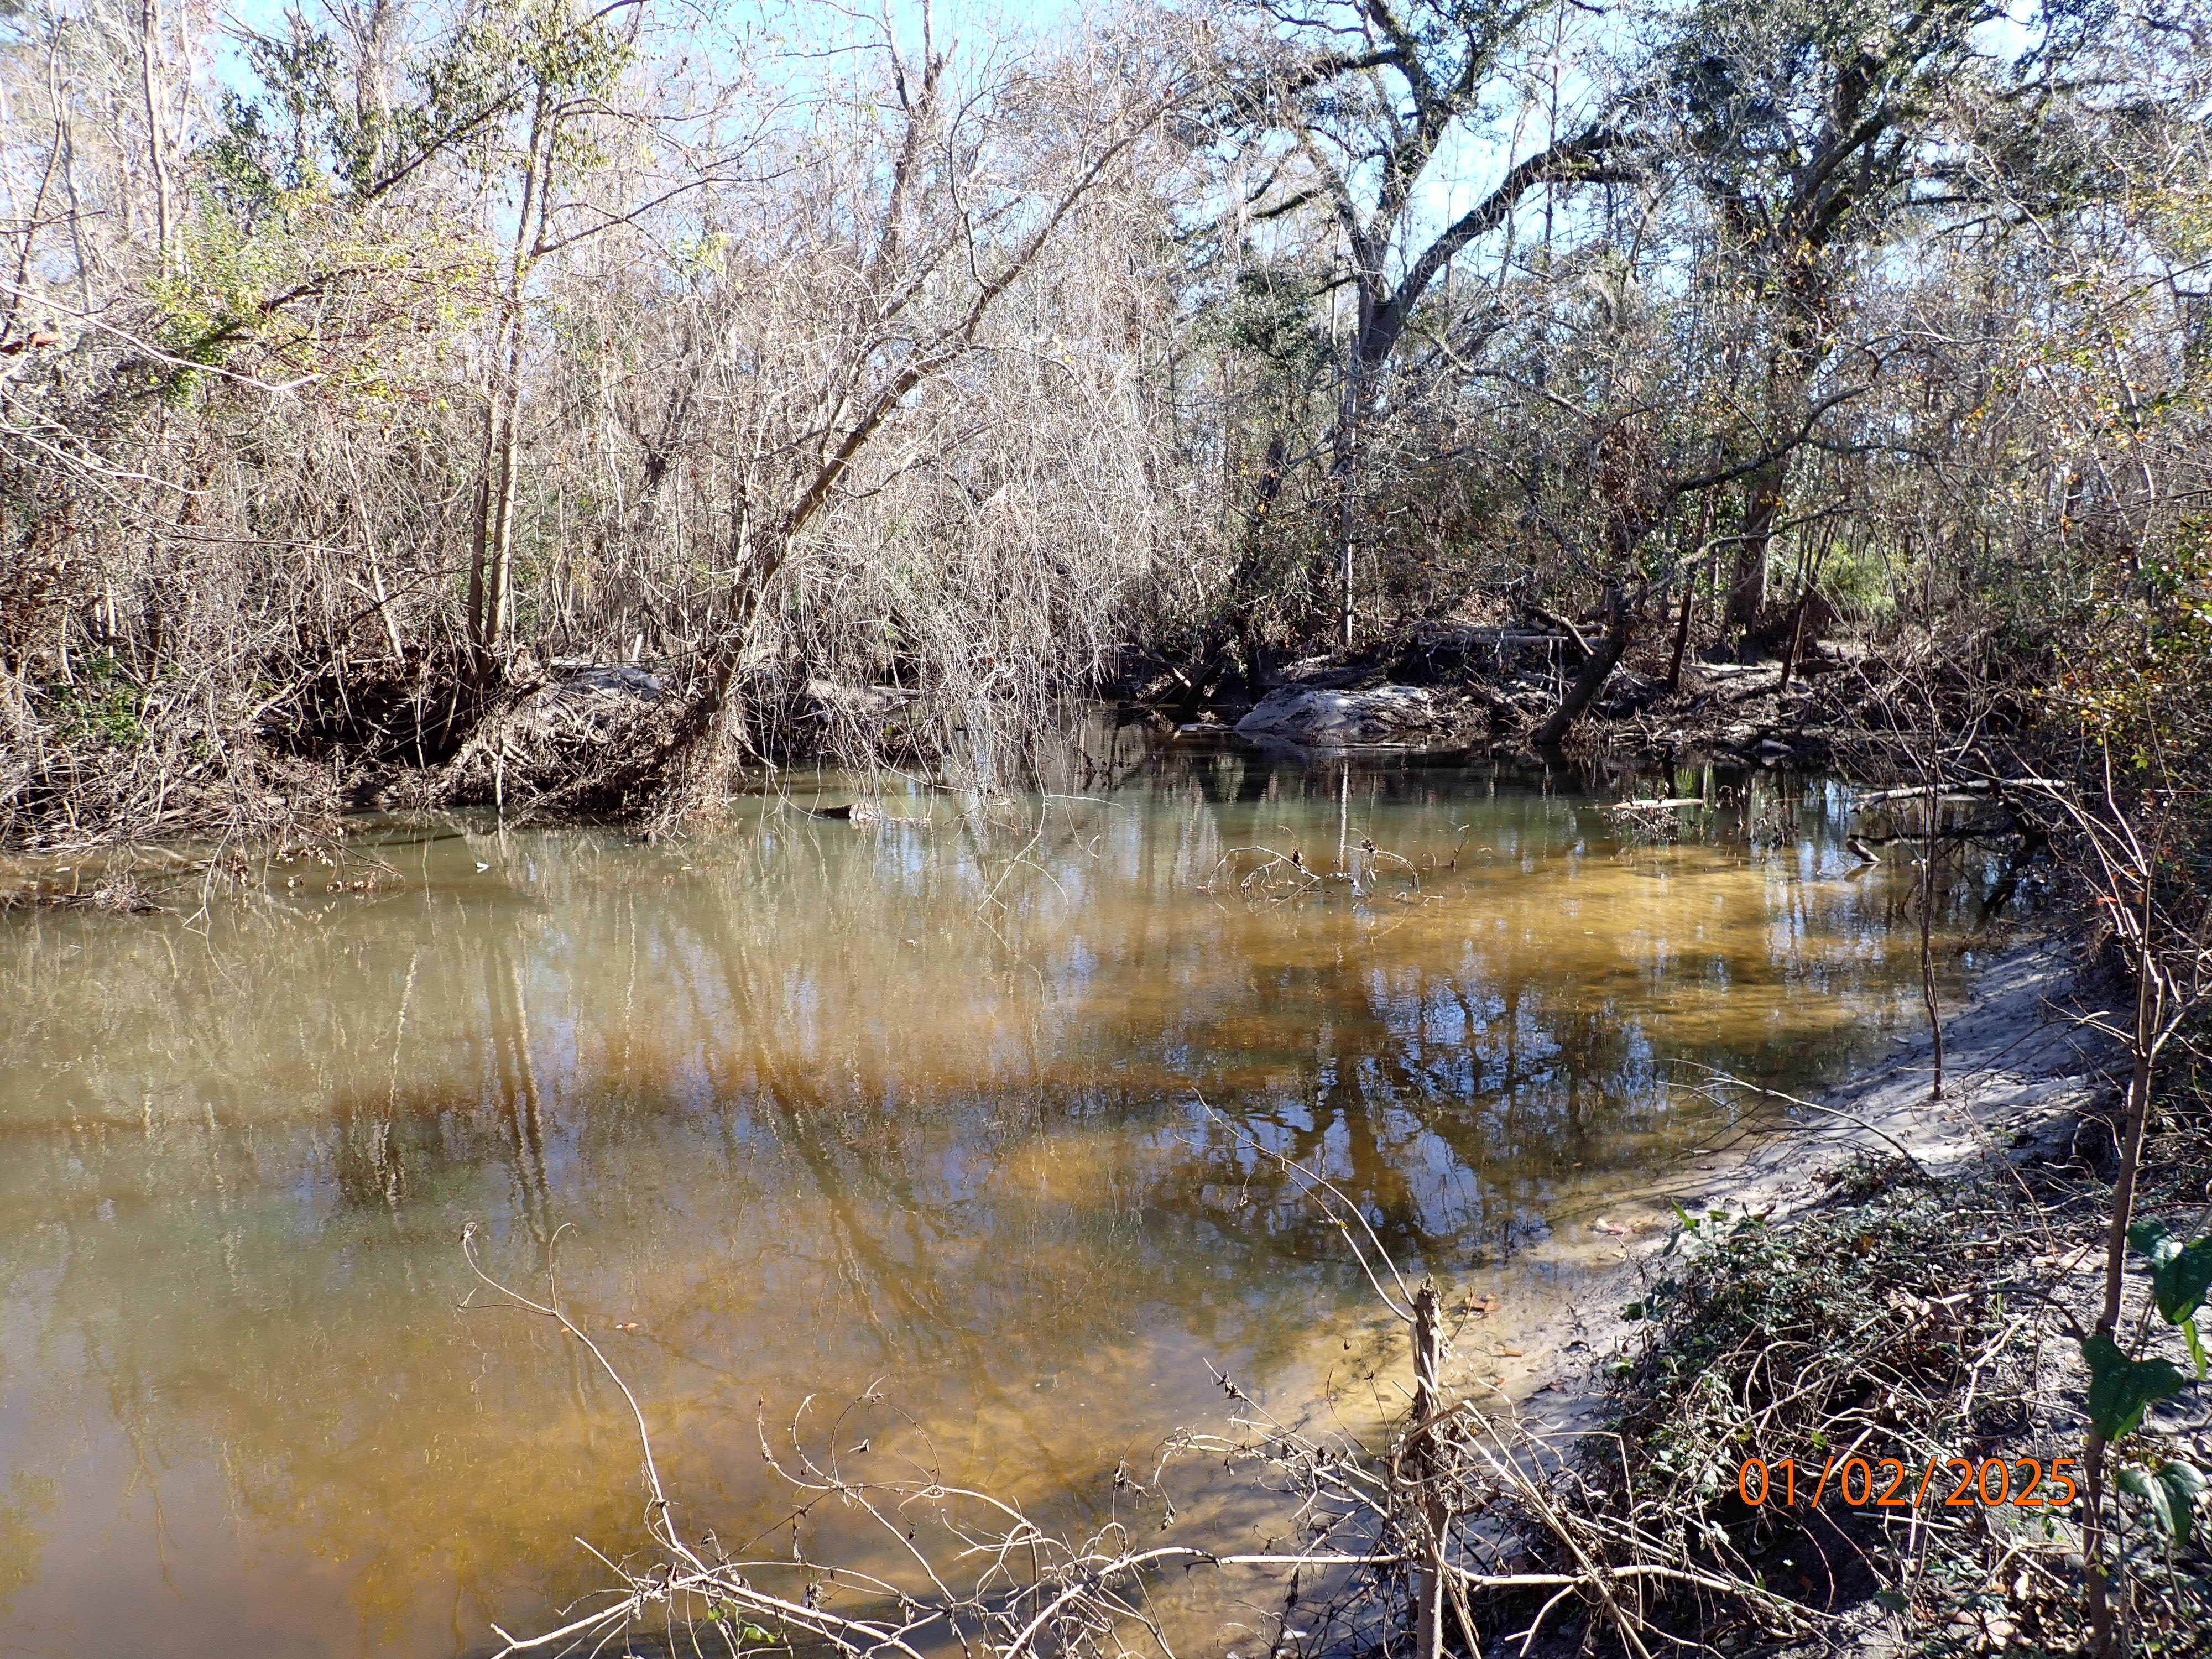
1597 667
1973 789
1560 626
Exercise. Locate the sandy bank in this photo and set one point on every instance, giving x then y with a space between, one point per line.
2021 1068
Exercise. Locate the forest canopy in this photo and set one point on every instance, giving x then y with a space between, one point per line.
805 380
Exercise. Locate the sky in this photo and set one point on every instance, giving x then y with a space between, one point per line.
1466 167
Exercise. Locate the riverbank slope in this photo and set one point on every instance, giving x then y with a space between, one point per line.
1881 1273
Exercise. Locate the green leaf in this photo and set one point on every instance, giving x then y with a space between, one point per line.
2136 1482
2181 1280
2185 1486
2121 1389
2153 1239
2171 1494
2196 1343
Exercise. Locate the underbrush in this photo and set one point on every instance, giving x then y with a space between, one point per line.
1886 1327
1905 1340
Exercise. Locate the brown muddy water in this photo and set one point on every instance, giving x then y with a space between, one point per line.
823 1108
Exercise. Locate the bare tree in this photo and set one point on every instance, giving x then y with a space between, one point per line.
888 278
1349 113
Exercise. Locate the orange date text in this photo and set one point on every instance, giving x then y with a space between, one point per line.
1892 1483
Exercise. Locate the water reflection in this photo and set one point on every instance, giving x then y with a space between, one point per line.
819 1105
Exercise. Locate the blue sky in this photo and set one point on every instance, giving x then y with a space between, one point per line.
1466 167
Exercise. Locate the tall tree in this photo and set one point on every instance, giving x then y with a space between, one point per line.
1351 109
1803 124
944 196
507 97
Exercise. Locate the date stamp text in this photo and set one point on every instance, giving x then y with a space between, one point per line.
1891 1483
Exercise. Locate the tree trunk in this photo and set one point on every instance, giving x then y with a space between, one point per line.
500 555
153 76
1375 334
1682 635
491 579
1768 486
1345 466
709 741
1597 668
1762 505
1348 508
479 536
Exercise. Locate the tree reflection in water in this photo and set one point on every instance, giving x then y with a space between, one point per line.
820 1105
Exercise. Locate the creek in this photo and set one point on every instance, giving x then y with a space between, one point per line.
817 1108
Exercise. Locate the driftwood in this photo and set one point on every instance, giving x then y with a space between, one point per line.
1972 791
1511 636
1420 1467
1562 628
